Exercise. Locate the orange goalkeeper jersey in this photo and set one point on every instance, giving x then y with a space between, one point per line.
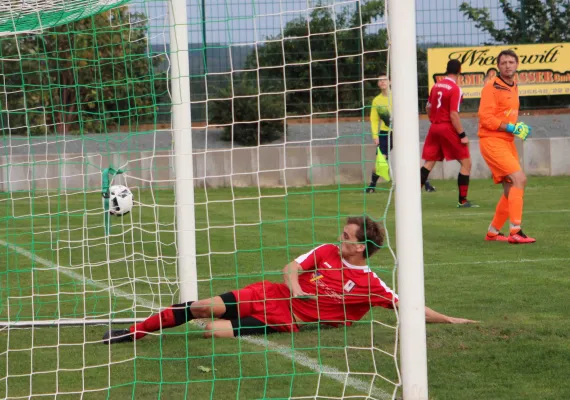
499 103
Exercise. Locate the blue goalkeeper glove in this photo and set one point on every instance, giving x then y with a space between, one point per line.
519 129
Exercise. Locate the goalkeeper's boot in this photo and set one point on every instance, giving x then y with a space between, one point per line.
117 336
499 237
371 188
429 188
467 204
520 238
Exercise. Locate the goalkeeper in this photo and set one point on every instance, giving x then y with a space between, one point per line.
381 128
321 286
498 126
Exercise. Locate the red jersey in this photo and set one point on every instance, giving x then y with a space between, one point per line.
345 292
445 98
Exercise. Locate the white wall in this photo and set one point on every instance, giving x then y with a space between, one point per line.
265 166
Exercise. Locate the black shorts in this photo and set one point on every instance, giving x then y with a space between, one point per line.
385 142
243 326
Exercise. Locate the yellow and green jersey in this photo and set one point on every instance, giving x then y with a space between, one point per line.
381 106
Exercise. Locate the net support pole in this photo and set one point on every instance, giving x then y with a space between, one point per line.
182 135
403 66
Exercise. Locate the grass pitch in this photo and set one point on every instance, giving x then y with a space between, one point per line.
53 250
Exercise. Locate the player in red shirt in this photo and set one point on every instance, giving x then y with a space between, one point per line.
327 285
446 137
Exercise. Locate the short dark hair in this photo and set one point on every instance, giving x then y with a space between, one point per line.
453 67
507 53
369 232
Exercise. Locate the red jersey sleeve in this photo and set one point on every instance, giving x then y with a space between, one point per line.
310 260
431 105
455 100
380 294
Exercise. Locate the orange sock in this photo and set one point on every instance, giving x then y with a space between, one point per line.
501 214
515 208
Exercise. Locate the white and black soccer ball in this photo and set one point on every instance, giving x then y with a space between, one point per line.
120 200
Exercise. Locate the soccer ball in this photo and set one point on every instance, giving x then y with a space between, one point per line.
120 200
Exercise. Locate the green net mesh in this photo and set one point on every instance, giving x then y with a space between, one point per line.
25 16
280 96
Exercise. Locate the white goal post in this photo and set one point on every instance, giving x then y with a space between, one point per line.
120 291
409 242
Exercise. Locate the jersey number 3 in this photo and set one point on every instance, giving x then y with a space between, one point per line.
439 95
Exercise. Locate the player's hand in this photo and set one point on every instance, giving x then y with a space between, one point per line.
299 293
376 141
465 140
519 129
385 116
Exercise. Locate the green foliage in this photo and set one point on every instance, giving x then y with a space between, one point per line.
320 62
532 21
89 76
249 119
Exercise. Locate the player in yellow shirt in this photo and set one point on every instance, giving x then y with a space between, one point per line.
381 129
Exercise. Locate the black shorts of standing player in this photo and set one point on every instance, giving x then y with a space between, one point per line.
385 143
243 326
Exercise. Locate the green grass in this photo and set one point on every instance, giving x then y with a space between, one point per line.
518 351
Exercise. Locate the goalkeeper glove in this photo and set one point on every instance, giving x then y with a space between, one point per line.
519 129
384 115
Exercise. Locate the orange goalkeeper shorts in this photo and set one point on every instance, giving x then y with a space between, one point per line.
501 156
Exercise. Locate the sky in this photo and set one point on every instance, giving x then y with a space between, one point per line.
243 21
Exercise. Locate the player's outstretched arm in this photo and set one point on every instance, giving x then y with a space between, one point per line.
433 317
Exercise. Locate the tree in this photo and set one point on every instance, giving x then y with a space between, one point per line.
318 62
90 75
330 51
532 21
250 119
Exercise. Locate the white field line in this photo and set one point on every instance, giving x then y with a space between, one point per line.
298 357
490 211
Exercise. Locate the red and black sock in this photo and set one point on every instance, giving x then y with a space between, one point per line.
463 185
174 315
424 173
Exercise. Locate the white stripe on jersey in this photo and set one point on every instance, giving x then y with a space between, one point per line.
459 102
303 257
386 288
366 270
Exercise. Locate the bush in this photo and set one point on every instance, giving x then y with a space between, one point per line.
253 119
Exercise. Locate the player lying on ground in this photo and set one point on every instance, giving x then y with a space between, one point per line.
330 285
446 138
498 126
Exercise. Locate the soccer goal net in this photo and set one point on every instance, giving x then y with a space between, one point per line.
241 128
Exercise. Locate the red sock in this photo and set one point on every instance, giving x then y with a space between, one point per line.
164 319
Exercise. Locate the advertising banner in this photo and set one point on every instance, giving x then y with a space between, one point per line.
544 69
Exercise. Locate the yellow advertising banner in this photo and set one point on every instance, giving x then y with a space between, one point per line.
544 69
